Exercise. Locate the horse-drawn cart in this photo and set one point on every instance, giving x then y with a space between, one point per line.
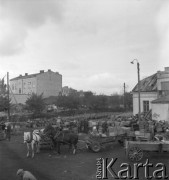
46 143
135 149
96 143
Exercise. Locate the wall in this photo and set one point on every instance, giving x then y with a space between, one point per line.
160 112
49 83
19 98
29 85
16 85
26 86
144 96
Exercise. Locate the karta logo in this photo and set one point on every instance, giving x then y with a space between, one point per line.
105 167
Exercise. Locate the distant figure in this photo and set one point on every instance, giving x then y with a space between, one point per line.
3 126
8 132
105 127
59 122
25 175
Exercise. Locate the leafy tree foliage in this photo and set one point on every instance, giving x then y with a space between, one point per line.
4 101
35 103
128 100
3 87
68 102
93 102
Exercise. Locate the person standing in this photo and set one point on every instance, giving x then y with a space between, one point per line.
8 132
25 175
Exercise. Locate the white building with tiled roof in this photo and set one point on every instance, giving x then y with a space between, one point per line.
49 83
151 88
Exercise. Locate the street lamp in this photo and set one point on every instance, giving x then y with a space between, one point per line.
138 71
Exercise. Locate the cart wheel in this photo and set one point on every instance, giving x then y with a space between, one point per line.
135 154
96 147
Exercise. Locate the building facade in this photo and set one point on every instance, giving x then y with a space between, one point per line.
49 83
160 109
66 91
151 88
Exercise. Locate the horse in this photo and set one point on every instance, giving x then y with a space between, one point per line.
32 139
62 137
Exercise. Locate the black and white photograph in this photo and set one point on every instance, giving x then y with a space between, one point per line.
84 89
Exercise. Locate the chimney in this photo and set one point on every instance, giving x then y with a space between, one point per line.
26 74
20 75
49 70
166 69
41 71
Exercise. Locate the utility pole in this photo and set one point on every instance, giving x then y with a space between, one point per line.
124 102
8 96
138 73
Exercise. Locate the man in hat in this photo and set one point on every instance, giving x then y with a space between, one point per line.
25 175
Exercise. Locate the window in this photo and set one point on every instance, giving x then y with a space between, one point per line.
19 90
145 106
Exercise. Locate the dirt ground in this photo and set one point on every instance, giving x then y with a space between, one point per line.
49 166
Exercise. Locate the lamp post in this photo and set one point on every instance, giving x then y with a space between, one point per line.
8 96
138 71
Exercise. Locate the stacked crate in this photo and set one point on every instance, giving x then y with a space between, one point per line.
112 131
143 126
159 128
144 133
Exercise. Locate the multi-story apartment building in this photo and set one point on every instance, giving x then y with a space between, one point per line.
49 83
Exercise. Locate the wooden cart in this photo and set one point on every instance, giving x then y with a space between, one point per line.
135 149
97 143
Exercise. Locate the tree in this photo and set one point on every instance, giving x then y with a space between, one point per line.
4 101
114 100
68 102
35 103
129 100
88 99
3 87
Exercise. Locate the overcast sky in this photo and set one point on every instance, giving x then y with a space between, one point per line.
90 42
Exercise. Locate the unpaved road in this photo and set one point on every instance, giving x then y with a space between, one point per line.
49 166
